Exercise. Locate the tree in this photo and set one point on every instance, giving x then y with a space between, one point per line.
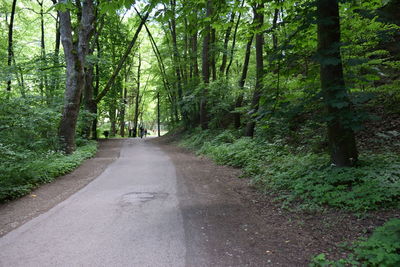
206 65
259 22
10 41
242 80
341 138
75 52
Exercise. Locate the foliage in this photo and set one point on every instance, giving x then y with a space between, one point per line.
381 249
27 123
305 177
20 172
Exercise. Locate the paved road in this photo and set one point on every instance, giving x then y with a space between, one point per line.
128 216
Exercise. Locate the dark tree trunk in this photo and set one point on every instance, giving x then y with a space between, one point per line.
225 47
10 42
242 81
91 89
75 53
122 113
206 69
259 21
113 120
194 57
96 91
43 86
158 114
89 104
212 52
55 77
137 101
341 138
233 42
176 57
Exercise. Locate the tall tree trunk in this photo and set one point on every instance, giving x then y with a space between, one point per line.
137 100
96 91
194 56
259 21
10 43
341 138
206 68
176 57
158 114
242 80
88 98
43 63
113 119
54 83
212 52
75 54
226 41
56 77
234 42
124 95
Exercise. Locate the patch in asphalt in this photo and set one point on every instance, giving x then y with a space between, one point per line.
142 197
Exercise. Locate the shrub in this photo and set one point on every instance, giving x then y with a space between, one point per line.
381 249
22 172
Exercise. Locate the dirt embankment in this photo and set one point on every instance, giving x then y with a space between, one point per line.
244 227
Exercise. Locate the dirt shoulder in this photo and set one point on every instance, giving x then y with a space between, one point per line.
17 212
241 226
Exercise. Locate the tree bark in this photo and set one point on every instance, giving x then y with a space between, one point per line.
75 54
226 41
137 101
10 42
124 93
259 21
43 86
242 81
342 145
176 60
158 114
194 57
233 42
96 91
206 68
212 52
55 77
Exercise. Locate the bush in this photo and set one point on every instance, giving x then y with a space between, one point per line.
23 171
381 249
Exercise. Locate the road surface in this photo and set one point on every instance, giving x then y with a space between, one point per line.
153 207
128 216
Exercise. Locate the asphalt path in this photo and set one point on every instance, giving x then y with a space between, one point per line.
128 216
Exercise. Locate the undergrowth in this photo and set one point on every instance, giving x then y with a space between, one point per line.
305 178
381 249
20 172
306 181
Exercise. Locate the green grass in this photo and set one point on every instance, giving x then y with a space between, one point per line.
20 172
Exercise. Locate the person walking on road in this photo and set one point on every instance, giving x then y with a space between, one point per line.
141 131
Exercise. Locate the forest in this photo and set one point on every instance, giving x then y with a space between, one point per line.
302 95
